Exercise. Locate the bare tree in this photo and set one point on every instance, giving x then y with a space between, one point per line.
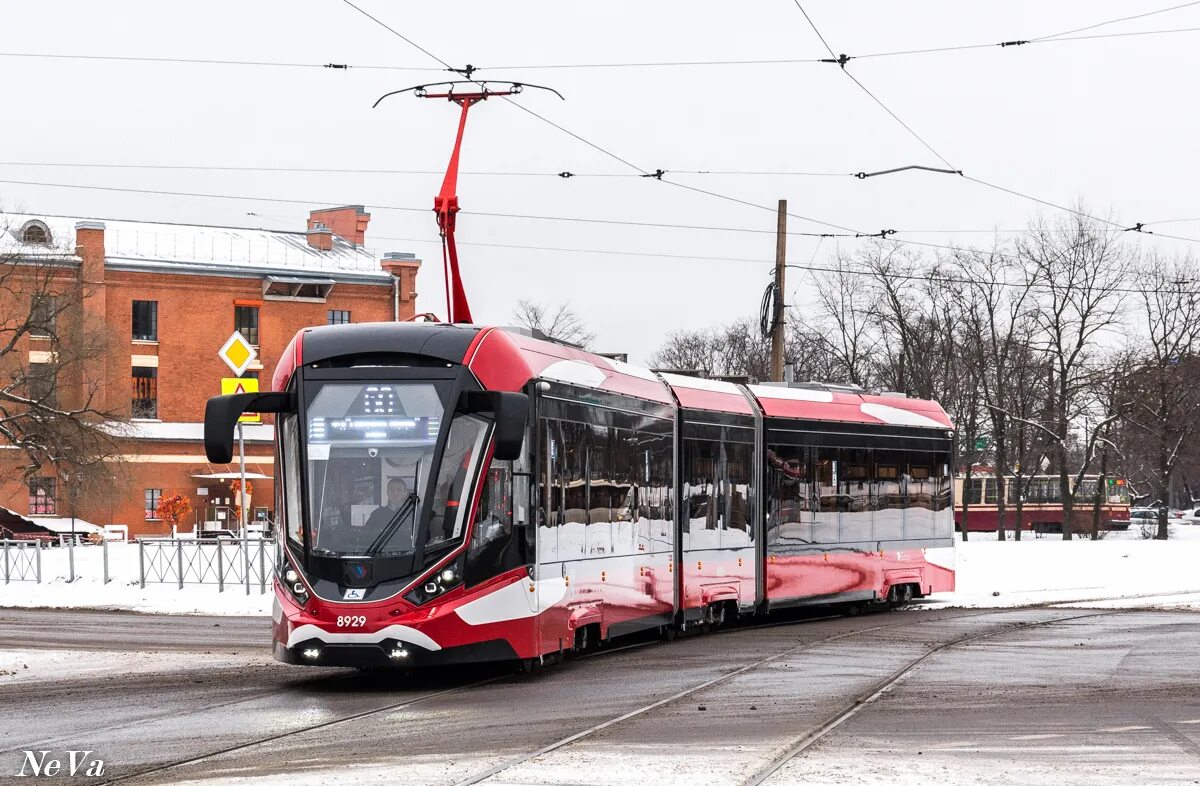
51 395
997 314
560 324
689 350
735 349
842 325
1079 267
1164 402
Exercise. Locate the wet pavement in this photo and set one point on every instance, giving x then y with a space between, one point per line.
1049 695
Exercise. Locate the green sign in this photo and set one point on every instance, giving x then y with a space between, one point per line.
981 443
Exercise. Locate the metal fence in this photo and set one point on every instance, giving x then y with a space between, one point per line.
247 562
22 561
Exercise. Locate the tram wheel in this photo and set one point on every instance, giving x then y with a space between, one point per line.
667 632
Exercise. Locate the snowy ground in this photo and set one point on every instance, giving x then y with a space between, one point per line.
123 591
1122 570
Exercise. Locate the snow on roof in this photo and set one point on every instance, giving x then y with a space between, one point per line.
57 524
182 432
145 244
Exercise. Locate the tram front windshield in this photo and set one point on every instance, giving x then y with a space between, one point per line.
376 486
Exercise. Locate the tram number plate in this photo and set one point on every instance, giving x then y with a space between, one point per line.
351 621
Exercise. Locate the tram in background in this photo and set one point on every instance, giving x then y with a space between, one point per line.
453 493
1041 506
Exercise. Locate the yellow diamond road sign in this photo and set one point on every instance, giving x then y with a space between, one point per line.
237 353
233 385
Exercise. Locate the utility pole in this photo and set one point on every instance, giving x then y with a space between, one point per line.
780 266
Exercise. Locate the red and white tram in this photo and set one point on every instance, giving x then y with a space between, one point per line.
455 493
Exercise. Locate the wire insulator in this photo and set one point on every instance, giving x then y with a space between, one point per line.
336 65
565 175
840 60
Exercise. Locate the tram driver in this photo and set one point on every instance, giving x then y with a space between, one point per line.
397 497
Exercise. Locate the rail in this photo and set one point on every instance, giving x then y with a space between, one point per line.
22 561
244 562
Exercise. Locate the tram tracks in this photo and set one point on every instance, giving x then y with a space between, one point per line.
811 737
641 710
802 743
175 764
264 740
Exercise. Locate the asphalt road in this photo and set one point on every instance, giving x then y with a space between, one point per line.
1047 695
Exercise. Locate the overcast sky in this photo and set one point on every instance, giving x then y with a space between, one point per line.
1110 120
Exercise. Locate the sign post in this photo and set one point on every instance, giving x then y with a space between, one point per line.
238 354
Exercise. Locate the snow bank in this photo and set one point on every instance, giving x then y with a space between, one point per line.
1122 570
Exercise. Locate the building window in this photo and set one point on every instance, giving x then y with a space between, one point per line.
42 384
145 392
42 315
245 321
42 493
145 320
37 233
337 317
152 498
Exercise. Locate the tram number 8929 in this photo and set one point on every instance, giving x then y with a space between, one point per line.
355 621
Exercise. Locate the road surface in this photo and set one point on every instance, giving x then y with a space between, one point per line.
1053 695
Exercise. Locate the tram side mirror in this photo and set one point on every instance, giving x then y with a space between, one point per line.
511 411
221 414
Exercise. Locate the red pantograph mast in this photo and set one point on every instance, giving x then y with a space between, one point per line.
445 204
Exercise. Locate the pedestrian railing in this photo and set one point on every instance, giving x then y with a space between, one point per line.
226 562
22 561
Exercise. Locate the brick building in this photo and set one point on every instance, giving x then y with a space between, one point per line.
169 295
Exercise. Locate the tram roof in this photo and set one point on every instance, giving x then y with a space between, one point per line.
507 358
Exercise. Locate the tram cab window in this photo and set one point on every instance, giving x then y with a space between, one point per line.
372 468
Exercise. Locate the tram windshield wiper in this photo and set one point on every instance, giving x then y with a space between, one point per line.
393 525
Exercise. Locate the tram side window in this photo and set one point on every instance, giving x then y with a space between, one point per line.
493 547
700 477
1043 490
293 512
573 475
601 489
827 516
739 466
919 519
943 483
659 472
890 495
854 494
626 460
983 491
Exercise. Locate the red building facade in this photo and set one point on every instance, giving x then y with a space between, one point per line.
168 296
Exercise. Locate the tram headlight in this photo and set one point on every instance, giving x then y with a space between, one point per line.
437 584
290 578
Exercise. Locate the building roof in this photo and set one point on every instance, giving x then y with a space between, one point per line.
199 249
58 525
